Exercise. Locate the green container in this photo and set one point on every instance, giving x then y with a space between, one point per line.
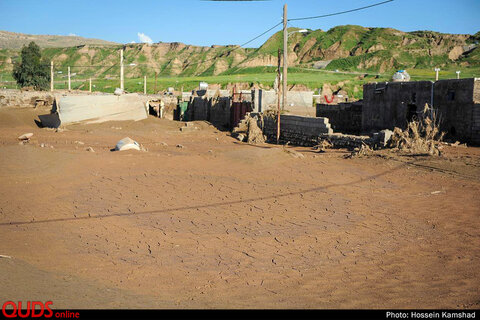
183 106
181 109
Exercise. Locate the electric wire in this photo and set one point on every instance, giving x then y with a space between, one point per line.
341 12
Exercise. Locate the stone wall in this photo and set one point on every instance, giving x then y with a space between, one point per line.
170 103
296 130
168 100
28 99
343 117
25 99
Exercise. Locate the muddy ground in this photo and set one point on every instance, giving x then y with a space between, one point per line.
215 223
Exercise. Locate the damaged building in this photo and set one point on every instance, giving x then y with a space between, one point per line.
225 110
387 105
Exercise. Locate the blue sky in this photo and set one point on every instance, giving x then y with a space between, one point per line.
213 22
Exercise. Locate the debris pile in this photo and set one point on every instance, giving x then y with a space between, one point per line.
292 152
249 131
323 145
420 137
363 150
340 140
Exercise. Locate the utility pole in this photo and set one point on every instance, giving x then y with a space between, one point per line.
69 82
278 96
121 70
436 73
90 85
144 84
51 75
155 90
285 57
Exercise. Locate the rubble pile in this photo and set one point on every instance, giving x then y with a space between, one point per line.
249 131
420 137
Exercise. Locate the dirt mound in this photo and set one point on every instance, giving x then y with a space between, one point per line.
25 117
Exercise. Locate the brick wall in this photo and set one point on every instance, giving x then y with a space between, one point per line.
388 105
220 112
476 113
343 117
215 110
297 130
475 139
391 104
454 101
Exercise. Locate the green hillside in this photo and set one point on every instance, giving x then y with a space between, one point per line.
349 48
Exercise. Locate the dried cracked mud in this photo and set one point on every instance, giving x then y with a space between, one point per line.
223 224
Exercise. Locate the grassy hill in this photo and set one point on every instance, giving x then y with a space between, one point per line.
377 52
12 40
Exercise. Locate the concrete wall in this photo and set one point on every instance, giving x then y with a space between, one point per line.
343 117
215 110
457 101
475 139
297 130
454 101
392 104
476 113
198 109
220 112
267 99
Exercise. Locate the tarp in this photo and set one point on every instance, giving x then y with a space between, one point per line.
401 75
127 144
95 108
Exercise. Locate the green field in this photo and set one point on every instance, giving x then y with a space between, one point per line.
313 79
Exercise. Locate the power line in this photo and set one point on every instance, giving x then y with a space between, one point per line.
341 12
261 34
